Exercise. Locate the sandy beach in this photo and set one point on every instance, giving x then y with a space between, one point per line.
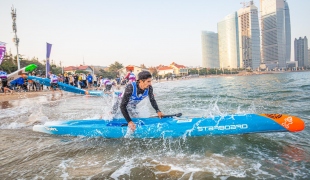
22 95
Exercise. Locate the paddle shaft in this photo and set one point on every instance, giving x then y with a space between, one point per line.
165 116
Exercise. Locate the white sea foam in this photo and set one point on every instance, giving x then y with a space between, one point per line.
13 125
124 169
63 166
35 118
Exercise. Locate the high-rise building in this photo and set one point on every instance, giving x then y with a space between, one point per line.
309 56
249 36
287 31
210 49
276 32
301 51
229 42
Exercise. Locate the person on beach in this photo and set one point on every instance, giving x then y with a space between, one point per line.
60 78
118 80
76 80
66 78
21 84
99 83
95 78
13 84
54 82
131 77
89 81
71 80
4 82
134 93
84 81
107 84
30 85
5 86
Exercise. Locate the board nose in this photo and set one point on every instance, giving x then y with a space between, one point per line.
291 123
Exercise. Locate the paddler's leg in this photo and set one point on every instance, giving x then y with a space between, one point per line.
5 89
53 87
59 90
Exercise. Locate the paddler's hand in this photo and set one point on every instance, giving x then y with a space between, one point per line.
132 126
160 114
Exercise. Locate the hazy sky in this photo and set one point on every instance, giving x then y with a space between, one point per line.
129 31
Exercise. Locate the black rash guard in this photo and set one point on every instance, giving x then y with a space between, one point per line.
126 97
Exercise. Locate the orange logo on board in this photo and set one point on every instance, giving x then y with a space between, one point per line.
288 122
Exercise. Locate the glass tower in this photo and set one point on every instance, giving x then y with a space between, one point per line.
275 22
287 31
309 57
301 51
249 37
228 42
210 49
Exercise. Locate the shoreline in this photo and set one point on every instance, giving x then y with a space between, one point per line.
33 94
23 95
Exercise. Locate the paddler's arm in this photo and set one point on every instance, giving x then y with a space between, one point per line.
154 103
126 97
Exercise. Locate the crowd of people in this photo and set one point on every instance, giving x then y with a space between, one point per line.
89 81
79 80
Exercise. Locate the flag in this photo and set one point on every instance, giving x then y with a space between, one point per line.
2 51
48 53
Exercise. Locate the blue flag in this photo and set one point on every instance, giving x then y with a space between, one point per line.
2 51
48 53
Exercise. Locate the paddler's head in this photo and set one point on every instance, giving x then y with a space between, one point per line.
145 79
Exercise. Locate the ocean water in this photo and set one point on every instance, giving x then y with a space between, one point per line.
25 154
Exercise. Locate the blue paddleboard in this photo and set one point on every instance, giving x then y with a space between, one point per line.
176 126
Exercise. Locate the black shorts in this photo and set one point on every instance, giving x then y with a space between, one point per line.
5 84
54 85
108 87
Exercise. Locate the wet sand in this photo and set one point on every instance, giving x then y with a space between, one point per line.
23 95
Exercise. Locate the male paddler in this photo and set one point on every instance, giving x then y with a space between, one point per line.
135 93
54 82
130 76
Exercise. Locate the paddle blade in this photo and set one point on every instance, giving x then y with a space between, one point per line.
171 115
178 115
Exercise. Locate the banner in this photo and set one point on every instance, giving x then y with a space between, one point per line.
2 51
48 53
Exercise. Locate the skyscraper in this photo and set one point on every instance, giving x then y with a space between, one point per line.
210 49
287 31
301 51
309 56
249 36
275 22
229 42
